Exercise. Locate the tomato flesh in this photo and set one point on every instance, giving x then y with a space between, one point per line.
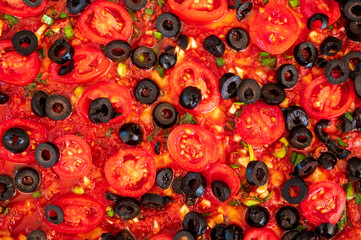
260 234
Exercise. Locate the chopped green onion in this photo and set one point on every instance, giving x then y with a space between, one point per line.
341 143
131 14
12 20
300 228
160 71
111 213
188 119
53 12
358 198
284 141
269 62
47 20
158 35
220 62
296 158
349 191
6 211
264 54
281 153
349 116
342 222
268 197
63 15
122 69
330 28
265 1
229 125
36 194
234 165
244 144
294 3
68 31
48 33
251 202
206 214
238 113
288 56
239 103
41 53
251 153
109 132
161 2
148 11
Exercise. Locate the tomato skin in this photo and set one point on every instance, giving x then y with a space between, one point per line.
162 237
329 7
89 64
117 94
224 173
201 140
190 15
22 10
37 134
322 192
81 205
266 121
198 73
272 36
260 234
80 152
93 11
24 72
339 98
120 171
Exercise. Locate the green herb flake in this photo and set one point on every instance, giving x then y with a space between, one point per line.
206 214
269 62
300 228
109 132
330 28
47 20
251 202
41 53
299 158
158 35
63 15
160 71
294 3
6 211
36 194
358 198
12 20
342 222
30 87
68 31
48 33
264 54
229 125
349 191
131 14
161 2
349 116
268 197
234 165
188 119
148 11
341 143
238 113
220 62
52 11
110 213
265 1
244 144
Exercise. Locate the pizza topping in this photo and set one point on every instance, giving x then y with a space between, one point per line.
144 58
58 107
221 190
353 31
244 9
193 185
305 167
146 91
7 189
273 94
27 180
183 235
182 41
151 200
326 230
249 91
331 46
27 38
38 103
36 235
164 115
257 173
237 39
288 217
287 76
76 6
336 71
306 54
47 154
352 10
127 208
168 58
214 46
257 216
131 134
300 137
354 167
54 214
295 191
100 111
295 116
327 160
228 85
323 18
61 51
168 24
195 223
190 97
117 50
16 140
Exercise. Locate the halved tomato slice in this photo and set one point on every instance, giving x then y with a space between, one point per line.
329 7
20 9
260 234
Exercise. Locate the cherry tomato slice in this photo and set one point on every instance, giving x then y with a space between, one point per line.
200 12
260 234
322 99
20 9
82 213
89 64
131 172
325 203
16 69
329 7
189 73
75 157
194 148
162 237
118 95
221 172
104 21
278 31
37 134
260 124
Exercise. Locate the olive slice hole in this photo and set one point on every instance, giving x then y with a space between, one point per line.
58 108
294 191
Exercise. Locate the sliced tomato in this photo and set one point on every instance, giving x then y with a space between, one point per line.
131 172
325 203
189 73
37 134
75 157
89 64
322 99
194 148
260 124
329 7
20 9
82 213
162 237
16 69
223 173
278 31
260 234
195 12
118 95
104 21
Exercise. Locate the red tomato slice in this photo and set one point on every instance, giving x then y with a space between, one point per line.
104 21
194 148
116 93
162 237
82 213
328 7
37 134
190 73
131 172
322 99
325 203
16 69
20 9
89 64
260 124
260 234
278 31
75 157
203 11
221 172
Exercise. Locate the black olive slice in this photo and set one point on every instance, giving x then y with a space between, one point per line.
233 4
33 4
228 85
107 236
195 223
4 98
131 134
66 68
54 214
318 17
352 10
135 5
218 232
321 62
76 6
190 201
152 200
146 91
24 36
127 208
190 97
47 154
287 76
168 199
306 60
164 178
306 235
352 58
300 137
353 31
354 167
357 85
117 50
38 102
257 173
288 217
237 39
342 71
305 167
168 58
16 140
183 235
357 118
295 116
327 160
177 185
164 115
233 232
290 235
221 190
168 24
57 47
273 94
340 153
100 111
249 91
302 191
27 180
36 235
7 189
257 216
58 107
157 147
111 196
326 230
346 124
214 46
182 41
124 235
331 46
144 58
320 133
243 10
193 185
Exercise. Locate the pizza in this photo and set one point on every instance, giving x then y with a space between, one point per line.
180 119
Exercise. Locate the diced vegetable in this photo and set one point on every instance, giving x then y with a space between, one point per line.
47 20
349 116
349 191
251 202
220 62
63 15
12 20
158 35
342 222
122 69
36 194
294 3
264 54
68 31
